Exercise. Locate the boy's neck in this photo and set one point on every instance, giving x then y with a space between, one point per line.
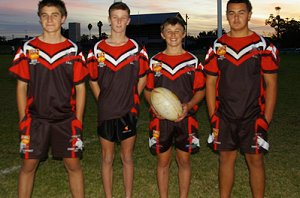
52 38
243 33
174 51
117 39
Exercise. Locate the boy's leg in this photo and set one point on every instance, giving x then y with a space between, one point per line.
26 177
226 172
256 167
184 172
127 147
163 169
75 176
108 153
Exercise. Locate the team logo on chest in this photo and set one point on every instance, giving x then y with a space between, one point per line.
157 67
101 59
221 51
33 55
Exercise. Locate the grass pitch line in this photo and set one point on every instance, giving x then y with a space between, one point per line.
10 170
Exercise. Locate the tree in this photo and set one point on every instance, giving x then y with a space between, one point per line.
287 30
99 24
276 22
90 26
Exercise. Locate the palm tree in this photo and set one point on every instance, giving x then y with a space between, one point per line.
99 24
90 26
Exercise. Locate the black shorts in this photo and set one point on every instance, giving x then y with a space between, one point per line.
116 130
37 135
164 133
250 136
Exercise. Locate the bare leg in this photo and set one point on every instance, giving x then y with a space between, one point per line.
184 172
75 176
257 174
127 147
226 172
108 149
163 169
26 177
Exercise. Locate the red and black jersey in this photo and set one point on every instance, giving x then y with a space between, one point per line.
117 70
181 74
239 64
51 71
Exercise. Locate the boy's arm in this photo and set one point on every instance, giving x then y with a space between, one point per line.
80 100
271 94
95 88
21 98
211 94
197 97
141 84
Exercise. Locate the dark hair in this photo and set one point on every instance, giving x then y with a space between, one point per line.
247 2
172 21
56 3
118 6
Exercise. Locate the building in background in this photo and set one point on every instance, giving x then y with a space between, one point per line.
145 28
74 32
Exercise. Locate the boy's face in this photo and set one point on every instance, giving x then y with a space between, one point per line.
238 16
51 19
119 19
173 34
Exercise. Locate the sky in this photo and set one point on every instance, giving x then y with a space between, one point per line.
18 17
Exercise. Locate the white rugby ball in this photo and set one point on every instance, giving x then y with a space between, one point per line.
166 103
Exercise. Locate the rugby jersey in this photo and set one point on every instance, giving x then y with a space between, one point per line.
51 71
181 74
117 70
239 63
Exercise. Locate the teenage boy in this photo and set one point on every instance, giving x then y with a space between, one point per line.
179 71
50 99
241 89
117 67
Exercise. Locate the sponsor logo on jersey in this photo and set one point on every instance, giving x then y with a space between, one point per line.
101 59
33 55
221 51
157 67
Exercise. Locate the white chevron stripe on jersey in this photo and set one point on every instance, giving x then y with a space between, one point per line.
273 50
17 56
244 51
124 56
57 56
178 67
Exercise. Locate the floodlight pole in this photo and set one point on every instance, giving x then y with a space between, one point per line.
219 18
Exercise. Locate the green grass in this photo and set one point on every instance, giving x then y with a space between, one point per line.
282 163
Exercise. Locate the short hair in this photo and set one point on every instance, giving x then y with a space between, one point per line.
56 3
247 2
118 6
172 21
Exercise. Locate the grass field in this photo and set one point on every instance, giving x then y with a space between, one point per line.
282 163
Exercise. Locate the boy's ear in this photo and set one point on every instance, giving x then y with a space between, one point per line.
63 19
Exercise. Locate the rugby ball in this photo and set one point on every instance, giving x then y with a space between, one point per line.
166 103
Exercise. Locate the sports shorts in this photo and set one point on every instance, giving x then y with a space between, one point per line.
249 136
183 135
38 135
119 129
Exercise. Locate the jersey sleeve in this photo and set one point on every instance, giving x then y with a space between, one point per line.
80 70
20 67
210 63
92 65
143 62
199 81
270 59
150 77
